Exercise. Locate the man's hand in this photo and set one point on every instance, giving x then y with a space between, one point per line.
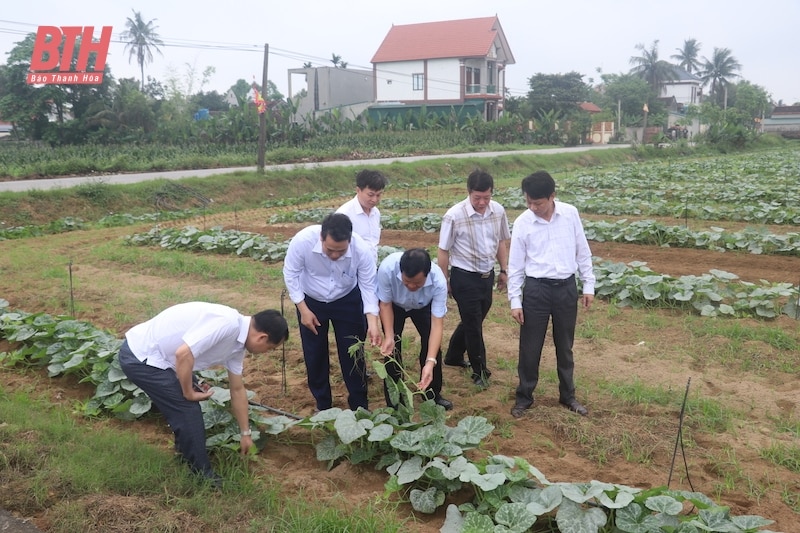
587 300
426 377
197 396
245 444
308 318
373 330
518 316
502 280
387 347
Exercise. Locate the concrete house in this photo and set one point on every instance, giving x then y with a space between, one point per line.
443 65
684 90
785 121
325 89
685 87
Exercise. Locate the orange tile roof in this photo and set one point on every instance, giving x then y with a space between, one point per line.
590 107
438 40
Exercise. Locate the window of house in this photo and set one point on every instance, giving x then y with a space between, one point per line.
418 81
472 79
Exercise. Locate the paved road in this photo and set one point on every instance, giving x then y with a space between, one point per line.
56 183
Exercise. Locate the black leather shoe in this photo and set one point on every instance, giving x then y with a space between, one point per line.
518 411
460 364
481 382
576 407
444 402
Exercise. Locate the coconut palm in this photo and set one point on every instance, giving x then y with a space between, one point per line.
650 68
687 56
141 39
718 71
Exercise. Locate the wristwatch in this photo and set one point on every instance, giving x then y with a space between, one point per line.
503 271
247 433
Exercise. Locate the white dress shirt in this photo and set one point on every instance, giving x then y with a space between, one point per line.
554 249
215 334
366 225
308 271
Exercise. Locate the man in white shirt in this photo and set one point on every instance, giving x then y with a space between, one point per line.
330 275
160 356
362 209
411 286
548 246
474 233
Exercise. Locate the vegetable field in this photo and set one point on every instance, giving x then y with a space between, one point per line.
698 267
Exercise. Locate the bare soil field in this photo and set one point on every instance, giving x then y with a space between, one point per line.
618 442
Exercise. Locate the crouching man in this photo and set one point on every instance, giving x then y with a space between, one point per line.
411 286
162 354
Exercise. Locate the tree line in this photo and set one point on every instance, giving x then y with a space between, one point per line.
169 110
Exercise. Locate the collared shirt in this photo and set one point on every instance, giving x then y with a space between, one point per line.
215 333
391 288
472 239
367 226
308 271
554 249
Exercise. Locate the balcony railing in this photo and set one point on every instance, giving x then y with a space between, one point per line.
481 89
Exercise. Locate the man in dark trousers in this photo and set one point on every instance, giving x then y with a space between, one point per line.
160 356
474 234
330 275
548 246
411 286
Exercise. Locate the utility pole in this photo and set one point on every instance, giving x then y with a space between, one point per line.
262 118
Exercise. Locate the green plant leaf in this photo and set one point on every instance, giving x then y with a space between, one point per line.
327 449
426 501
410 470
477 523
348 428
664 504
572 518
515 516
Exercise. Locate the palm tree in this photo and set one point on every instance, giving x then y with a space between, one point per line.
718 72
687 56
141 39
650 68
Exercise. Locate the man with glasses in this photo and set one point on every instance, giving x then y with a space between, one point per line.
474 233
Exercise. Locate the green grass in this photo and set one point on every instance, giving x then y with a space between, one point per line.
785 455
59 464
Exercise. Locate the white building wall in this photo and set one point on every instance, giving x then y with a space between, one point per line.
684 93
444 79
394 80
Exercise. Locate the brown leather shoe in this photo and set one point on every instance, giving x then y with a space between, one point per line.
574 406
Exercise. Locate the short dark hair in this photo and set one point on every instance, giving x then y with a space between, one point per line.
372 179
273 324
415 260
480 181
540 184
338 226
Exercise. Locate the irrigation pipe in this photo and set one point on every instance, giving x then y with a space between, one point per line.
274 410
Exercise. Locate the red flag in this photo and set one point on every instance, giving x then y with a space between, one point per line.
261 104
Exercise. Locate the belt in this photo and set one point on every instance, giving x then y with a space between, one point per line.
552 282
483 275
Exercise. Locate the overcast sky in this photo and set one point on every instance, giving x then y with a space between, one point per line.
546 37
